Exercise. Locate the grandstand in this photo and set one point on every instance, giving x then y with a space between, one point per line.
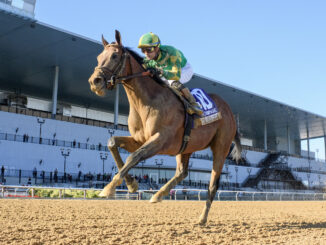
54 130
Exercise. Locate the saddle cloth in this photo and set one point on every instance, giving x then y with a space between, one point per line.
210 114
208 106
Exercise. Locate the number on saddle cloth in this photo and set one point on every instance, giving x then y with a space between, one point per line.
208 106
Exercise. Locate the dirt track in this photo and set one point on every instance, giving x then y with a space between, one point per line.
169 222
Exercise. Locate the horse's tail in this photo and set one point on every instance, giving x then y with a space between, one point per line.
236 151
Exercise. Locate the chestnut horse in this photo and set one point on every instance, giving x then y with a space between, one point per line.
156 123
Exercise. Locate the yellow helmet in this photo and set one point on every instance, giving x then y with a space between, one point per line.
149 40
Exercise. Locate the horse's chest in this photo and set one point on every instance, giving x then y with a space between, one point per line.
138 134
138 126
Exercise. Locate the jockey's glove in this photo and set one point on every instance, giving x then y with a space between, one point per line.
155 72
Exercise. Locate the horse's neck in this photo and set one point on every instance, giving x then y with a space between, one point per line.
141 91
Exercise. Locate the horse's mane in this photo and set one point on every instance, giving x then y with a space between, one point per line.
140 61
136 56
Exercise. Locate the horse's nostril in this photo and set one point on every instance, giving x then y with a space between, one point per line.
97 80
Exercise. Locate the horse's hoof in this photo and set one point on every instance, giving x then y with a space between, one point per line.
107 192
155 199
133 187
102 194
202 220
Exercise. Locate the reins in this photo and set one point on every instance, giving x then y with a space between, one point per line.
140 74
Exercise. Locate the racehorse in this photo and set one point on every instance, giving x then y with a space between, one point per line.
156 123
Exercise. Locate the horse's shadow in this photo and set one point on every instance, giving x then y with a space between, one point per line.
313 225
304 225
273 227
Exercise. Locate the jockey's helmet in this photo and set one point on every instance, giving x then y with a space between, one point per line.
149 40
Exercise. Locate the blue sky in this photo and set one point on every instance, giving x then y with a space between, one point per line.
274 48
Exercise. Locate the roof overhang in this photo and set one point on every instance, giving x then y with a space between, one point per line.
29 51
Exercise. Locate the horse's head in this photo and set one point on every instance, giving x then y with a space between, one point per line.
111 64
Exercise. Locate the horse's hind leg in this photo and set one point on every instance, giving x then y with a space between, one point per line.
129 144
220 152
180 174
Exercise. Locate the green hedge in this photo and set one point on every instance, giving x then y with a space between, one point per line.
54 193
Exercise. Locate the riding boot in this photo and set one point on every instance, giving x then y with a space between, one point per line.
195 106
181 91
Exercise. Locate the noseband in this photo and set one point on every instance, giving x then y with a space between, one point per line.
115 74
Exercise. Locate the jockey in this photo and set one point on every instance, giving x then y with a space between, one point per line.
171 65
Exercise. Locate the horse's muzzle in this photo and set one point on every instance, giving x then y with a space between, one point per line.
96 79
97 83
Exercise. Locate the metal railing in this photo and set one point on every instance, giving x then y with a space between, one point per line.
52 142
175 194
36 177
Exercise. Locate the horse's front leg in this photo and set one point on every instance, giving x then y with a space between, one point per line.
180 174
129 144
149 149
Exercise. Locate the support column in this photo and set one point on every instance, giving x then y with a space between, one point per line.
325 146
289 139
116 106
265 135
308 147
55 91
308 143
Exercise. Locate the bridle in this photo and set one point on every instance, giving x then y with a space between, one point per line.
115 74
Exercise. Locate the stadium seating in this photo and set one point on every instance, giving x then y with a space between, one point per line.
86 139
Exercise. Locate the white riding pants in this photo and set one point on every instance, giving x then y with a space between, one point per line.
186 74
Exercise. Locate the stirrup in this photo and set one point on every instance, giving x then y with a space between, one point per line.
190 111
197 109
193 109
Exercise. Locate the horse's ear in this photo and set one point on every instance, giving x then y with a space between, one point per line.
104 41
118 37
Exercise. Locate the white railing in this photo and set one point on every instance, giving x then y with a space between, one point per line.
224 195
175 194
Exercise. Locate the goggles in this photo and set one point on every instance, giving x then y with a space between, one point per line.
148 49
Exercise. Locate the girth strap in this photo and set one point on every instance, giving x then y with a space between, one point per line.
189 120
186 135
